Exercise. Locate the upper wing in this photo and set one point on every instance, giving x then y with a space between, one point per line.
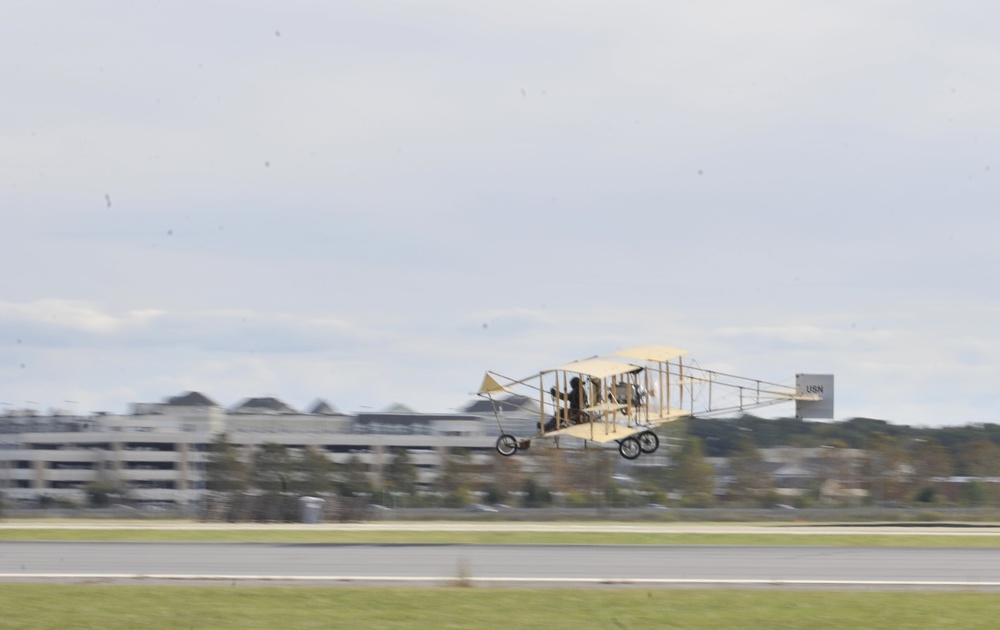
651 353
597 367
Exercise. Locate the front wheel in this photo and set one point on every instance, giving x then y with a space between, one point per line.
506 445
629 448
648 441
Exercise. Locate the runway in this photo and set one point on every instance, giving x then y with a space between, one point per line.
523 565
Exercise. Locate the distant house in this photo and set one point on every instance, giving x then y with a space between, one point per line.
266 405
323 408
187 404
191 399
398 408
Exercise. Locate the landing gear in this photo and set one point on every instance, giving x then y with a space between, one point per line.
648 441
506 445
632 447
629 448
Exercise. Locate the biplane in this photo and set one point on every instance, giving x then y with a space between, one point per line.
623 396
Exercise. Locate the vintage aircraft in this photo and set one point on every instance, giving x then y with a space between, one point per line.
624 395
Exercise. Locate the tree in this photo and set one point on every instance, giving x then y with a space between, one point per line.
888 469
598 478
535 495
352 477
505 474
931 464
836 474
562 468
225 471
981 459
691 474
400 475
973 493
107 487
751 478
458 476
313 472
272 468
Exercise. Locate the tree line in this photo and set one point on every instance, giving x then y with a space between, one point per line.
957 465
971 450
898 463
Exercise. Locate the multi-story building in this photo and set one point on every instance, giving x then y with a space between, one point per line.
158 451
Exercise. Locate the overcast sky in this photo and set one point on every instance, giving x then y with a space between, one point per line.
374 202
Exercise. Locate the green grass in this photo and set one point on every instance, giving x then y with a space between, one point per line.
182 607
497 537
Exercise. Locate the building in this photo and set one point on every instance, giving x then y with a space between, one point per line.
158 451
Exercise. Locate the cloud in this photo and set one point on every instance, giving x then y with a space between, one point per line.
57 322
60 323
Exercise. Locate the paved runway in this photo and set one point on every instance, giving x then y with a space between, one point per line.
646 565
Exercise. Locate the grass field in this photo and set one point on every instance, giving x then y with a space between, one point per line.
180 607
105 606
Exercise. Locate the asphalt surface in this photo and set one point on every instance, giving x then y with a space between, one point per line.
645 565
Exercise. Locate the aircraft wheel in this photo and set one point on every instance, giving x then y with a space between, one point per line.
506 445
648 442
629 448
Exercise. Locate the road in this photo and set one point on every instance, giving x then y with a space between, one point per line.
525 565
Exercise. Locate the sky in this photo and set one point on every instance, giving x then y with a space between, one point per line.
373 203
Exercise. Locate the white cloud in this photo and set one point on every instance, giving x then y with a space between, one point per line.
58 318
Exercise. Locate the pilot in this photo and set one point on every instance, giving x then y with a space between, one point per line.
577 399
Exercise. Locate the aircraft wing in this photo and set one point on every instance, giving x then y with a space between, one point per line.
651 353
598 432
602 431
597 368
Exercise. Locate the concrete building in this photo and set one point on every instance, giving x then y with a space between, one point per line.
158 451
